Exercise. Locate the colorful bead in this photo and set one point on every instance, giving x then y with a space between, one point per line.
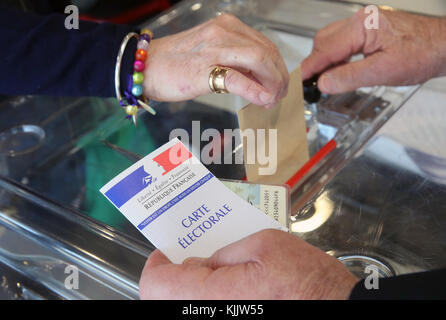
145 37
137 90
139 66
141 55
138 78
131 110
148 32
143 44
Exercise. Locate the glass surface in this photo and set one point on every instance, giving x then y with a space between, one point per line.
350 202
387 203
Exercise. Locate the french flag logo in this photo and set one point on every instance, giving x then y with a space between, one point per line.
129 187
173 157
139 179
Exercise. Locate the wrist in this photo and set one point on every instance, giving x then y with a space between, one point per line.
438 37
344 288
443 42
149 90
339 289
131 97
334 282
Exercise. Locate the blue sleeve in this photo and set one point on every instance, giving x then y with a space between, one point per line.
40 56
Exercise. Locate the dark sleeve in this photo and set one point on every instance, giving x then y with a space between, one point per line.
40 56
423 285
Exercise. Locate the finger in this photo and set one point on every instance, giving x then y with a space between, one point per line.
263 41
263 61
311 64
195 261
332 45
282 93
236 50
367 72
156 259
240 85
260 64
253 248
161 279
234 24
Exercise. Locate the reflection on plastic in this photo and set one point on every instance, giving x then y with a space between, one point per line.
323 210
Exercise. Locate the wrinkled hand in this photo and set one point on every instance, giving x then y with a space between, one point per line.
406 49
270 264
178 66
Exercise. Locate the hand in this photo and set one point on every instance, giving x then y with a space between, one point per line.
178 66
406 49
270 264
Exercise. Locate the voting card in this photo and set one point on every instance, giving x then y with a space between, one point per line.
181 207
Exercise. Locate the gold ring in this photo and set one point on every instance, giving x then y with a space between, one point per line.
217 79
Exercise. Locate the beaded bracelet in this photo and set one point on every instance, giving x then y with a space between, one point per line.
134 98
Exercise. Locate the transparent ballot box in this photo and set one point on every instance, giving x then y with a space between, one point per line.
365 196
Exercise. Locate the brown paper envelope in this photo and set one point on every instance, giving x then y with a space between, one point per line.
289 120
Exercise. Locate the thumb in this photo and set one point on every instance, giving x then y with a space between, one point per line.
250 249
371 71
155 259
196 261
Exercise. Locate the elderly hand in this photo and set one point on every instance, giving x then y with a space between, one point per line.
270 264
178 66
406 49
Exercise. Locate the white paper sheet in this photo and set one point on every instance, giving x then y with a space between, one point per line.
177 204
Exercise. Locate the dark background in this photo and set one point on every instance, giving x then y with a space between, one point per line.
131 12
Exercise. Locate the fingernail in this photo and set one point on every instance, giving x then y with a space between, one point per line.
269 106
265 97
194 261
327 83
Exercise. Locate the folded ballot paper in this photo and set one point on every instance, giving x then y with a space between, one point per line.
181 207
289 143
